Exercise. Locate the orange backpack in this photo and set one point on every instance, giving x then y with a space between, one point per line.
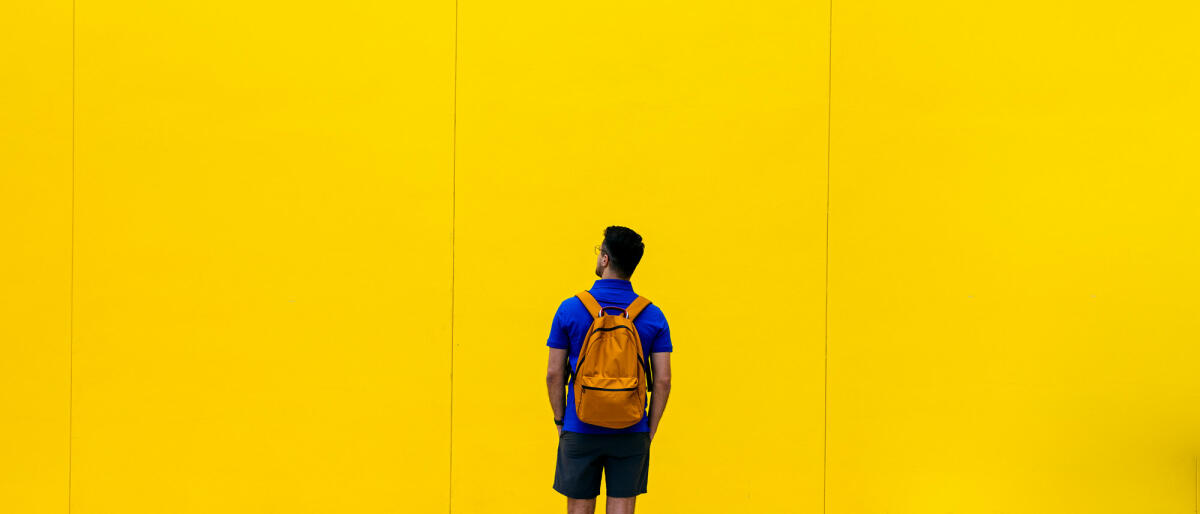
611 376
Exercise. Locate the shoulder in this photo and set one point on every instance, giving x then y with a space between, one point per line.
654 325
653 313
570 306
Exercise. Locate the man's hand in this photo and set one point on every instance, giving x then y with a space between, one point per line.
559 427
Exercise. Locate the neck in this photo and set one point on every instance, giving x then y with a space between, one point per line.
611 274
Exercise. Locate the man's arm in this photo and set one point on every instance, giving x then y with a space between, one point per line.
662 388
556 376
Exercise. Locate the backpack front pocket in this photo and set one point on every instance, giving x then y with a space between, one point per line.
612 402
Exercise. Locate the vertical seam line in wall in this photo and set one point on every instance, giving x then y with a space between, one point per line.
71 286
828 166
453 210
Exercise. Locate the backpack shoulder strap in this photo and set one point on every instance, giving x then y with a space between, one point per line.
590 303
636 306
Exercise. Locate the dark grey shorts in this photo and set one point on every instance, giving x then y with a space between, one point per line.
624 459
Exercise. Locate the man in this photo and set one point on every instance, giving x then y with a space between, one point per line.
583 449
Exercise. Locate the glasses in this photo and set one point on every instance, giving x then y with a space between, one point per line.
599 248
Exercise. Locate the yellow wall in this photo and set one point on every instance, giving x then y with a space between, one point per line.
317 248
35 255
707 135
1013 239
262 257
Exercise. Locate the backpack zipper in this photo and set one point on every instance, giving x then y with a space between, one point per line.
606 329
608 389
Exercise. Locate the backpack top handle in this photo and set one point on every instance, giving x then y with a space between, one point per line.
622 309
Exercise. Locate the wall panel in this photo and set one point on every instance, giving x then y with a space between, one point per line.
1012 280
263 257
35 255
700 125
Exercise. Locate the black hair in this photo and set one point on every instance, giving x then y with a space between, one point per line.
624 247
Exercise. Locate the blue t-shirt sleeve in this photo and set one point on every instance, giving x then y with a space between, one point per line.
662 341
558 332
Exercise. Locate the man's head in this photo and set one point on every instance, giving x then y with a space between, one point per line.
620 252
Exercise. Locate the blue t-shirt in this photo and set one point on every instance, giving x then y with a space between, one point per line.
570 326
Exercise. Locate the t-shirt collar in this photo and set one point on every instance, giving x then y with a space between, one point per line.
613 283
